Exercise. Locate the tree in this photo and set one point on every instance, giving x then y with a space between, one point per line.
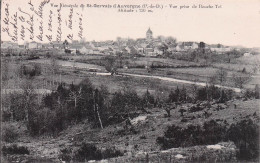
96 97
148 99
65 44
110 65
202 46
221 76
245 135
257 91
5 72
119 58
54 65
240 80
182 111
75 96
163 47
170 40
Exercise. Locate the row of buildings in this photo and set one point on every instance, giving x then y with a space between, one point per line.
148 46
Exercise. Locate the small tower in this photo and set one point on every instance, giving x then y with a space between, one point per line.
149 35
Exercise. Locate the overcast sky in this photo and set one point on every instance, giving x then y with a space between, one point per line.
236 23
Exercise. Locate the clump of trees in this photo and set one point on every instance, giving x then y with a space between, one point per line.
71 104
210 133
30 70
245 135
207 93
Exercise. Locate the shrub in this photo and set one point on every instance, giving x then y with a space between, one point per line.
147 99
14 149
111 152
248 94
30 70
213 132
245 135
169 73
9 134
195 109
88 152
175 136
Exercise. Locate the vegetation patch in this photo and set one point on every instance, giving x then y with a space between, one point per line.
88 152
14 149
245 135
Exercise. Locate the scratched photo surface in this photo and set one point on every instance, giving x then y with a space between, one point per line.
130 81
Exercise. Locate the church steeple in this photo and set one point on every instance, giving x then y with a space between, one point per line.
149 35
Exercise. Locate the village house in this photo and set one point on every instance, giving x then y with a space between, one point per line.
22 46
179 47
219 49
247 54
190 45
131 50
57 44
34 45
157 51
140 49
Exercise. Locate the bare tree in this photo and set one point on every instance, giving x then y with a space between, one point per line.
96 106
29 97
5 72
221 76
75 96
54 65
240 80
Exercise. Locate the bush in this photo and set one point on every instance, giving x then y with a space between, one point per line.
111 152
148 99
9 134
31 70
249 94
88 152
32 57
245 135
14 149
175 136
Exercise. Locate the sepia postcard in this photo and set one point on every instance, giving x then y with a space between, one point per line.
168 81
